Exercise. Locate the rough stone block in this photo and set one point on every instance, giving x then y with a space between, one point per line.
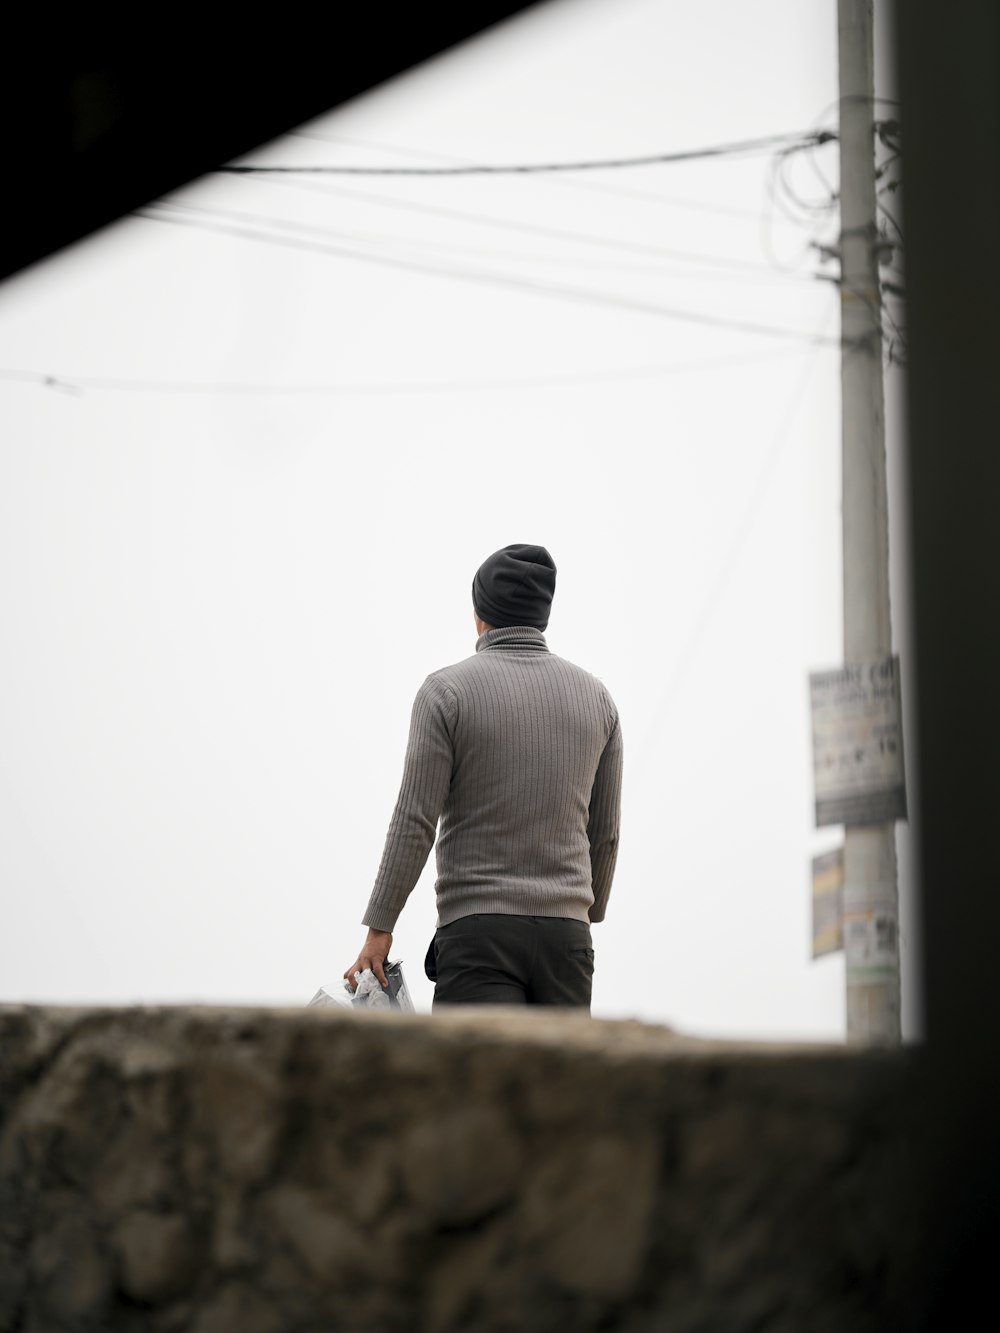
159 1255
205 1170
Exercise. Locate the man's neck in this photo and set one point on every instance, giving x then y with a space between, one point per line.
512 637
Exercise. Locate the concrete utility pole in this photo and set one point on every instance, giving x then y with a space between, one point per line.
871 903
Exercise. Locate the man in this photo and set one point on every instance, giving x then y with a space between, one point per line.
519 753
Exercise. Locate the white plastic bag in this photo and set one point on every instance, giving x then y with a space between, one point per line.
370 993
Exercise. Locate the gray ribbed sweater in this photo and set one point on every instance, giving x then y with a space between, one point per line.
519 754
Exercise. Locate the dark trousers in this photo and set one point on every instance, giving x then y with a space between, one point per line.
492 958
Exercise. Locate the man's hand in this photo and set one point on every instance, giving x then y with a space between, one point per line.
373 954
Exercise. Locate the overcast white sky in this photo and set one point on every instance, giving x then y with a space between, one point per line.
290 417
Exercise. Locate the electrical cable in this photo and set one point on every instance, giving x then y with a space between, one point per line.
591 187
711 603
767 223
557 291
738 148
80 383
759 273
891 217
512 224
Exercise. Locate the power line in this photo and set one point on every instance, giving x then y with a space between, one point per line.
558 291
591 187
79 383
809 210
796 210
664 200
767 143
711 603
515 225
754 273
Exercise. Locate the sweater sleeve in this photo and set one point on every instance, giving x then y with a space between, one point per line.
422 794
605 820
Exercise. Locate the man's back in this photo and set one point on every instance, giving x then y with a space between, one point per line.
528 731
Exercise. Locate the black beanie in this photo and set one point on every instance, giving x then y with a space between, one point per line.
515 586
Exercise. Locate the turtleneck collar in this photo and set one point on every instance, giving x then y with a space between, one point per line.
520 637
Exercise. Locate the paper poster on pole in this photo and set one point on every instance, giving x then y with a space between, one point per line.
827 902
871 941
857 734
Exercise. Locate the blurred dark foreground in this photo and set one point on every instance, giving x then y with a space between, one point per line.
268 1171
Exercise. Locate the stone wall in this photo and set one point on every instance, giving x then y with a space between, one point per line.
268 1171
